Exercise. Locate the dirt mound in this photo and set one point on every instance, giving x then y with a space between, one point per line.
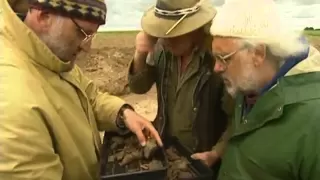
107 66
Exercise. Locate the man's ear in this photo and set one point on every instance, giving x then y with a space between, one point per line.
43 19
259 54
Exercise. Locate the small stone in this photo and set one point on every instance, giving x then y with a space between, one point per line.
120 155
185 175
172 154
111 158
155 164
150 148
182 164
116 142
128 158
144 167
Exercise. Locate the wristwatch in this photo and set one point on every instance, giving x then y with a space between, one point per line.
120 118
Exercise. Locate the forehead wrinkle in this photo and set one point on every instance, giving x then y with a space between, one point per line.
225 45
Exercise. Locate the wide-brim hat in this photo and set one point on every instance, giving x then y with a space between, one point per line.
172 18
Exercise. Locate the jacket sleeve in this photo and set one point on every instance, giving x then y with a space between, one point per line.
309 154
26 147
105 106
228 105
142 81
223 141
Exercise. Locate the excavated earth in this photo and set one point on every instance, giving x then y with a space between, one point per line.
107 64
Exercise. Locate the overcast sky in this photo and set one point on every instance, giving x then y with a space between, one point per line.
126 14
297 13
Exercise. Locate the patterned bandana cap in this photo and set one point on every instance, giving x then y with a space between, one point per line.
91 10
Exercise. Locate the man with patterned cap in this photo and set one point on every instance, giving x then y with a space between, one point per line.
51 114
274 75
174 52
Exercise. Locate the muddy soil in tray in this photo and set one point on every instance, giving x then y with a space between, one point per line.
126 156
179 167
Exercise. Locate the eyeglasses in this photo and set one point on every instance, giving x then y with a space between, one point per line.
225 60
88 37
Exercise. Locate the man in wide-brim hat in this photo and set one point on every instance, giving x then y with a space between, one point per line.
172 52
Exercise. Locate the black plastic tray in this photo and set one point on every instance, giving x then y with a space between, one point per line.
120 173
202 171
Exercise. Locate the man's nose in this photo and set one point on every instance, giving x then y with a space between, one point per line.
218 67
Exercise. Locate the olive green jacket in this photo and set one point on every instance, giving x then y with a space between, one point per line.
205 97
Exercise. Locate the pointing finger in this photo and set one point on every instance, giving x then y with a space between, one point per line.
196 156
141 137
154 133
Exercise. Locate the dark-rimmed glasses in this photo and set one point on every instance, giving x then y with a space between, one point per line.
88 37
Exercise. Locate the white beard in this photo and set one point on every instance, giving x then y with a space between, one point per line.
245 82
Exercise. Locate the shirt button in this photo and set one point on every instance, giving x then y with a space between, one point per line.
280 108
245 121
195 109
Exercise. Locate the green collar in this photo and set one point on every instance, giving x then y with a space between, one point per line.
269 107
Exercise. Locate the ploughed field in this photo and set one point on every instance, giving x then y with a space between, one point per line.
107 66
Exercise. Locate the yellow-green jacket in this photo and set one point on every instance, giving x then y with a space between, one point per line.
50 117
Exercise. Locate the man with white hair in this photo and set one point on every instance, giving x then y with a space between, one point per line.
274 76
51 114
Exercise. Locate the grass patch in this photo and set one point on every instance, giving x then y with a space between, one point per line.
312 32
